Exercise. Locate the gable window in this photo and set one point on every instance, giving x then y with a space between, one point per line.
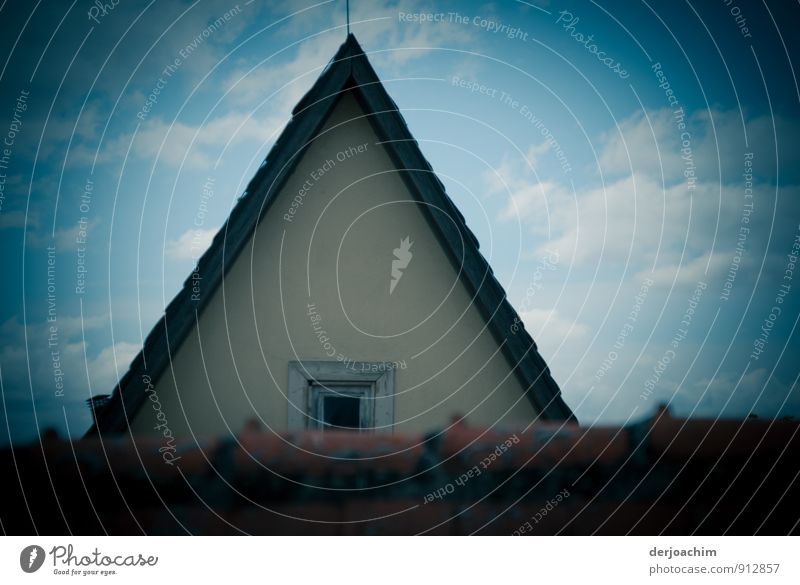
356 396
340 407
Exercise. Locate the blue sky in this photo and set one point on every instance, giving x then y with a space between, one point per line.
609 158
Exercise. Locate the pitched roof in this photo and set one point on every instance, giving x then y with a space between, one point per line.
349 70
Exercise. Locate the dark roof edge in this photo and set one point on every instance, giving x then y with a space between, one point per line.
488 293
180 315
349 67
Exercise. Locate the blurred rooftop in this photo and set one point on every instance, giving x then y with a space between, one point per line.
664 475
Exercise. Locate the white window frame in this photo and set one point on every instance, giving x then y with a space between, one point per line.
376 377
316 403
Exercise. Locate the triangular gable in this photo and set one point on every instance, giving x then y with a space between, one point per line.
349 70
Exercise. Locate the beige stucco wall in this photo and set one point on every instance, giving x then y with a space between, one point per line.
339 243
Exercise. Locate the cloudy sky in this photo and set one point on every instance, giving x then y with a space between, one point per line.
631 170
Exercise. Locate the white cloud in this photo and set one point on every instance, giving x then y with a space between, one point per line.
13 220
110 365
250 86
549 325
704 268
64 239
642 221
29 373
179 143
244 115
190 245
731 395
649 142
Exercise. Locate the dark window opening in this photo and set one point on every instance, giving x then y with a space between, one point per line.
341 412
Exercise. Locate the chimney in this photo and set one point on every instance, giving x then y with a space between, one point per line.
97 403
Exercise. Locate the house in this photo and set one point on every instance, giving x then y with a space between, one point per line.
345 291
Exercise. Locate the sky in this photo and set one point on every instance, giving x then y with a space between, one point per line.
631 170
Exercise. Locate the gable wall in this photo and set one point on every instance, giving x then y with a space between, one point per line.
339 245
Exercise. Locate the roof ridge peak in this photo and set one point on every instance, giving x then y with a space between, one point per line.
341 62
349 48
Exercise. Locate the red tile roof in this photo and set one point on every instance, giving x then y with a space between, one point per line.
667 474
